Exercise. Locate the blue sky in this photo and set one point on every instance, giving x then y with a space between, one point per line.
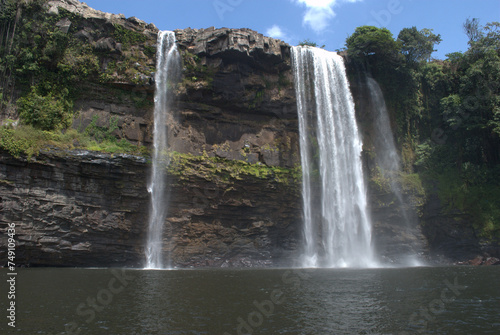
327 22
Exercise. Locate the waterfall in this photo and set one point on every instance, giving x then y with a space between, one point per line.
337 228
167 69
387 157
388 160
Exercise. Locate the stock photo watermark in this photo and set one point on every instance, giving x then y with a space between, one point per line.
383 17
264 309
420 320
11 275
224 6
95 304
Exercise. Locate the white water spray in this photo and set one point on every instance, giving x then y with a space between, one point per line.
387 158
337 227
167 69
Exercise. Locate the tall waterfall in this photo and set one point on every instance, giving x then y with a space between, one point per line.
167 69
386 154
337 228
388 161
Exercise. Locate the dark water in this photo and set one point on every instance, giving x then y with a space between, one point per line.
443 300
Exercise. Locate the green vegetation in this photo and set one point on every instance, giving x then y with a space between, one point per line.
417 46
39 58
28 140
43 68
46 112
128 37
23 140
446 112
225 172
375 43
308 43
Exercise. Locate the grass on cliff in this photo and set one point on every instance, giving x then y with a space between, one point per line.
27 140
224 171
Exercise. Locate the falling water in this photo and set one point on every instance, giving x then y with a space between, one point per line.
387 155
167 68
387 158
337 228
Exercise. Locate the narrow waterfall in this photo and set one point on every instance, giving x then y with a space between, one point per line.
387 157
167 69
388 160
337 228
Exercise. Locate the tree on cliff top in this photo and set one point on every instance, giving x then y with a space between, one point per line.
374 50
370 41
417 45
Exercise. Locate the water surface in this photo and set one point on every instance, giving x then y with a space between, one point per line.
439 300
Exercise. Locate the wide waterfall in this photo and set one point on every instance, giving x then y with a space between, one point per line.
337 227
167 69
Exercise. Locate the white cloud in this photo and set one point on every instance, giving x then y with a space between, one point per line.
276 32
318 3
318 18
319 12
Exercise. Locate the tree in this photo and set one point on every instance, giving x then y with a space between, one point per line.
308 42
473 110
473 29
417 46
370 41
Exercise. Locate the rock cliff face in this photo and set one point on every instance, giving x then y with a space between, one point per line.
74 209
235 103
236 99
80 208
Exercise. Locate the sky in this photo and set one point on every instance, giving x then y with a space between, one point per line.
325 22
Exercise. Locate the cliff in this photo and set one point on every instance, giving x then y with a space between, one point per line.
234 177
80 208
233 180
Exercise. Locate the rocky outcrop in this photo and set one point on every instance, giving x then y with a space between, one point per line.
235 102
124 48
453 238
74 208
236 44
236 99
88 13
80 208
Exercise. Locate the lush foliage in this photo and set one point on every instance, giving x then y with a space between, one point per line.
447 113
28 140
416 45
46 112
128 37
45 62
373 42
